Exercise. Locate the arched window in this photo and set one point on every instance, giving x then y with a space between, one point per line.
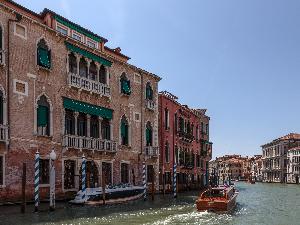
181 124
149 92
43 116
167 152
43 54
125 85
102 75
105 129
1 107
93 71
82 125
82 67
72 63
94 127
148 134
124 131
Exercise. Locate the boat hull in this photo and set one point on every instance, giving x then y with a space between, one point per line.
216 205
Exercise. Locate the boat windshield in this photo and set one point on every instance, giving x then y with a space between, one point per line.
214 193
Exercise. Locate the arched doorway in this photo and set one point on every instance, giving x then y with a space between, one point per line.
92 175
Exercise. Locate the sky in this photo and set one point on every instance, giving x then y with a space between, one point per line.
238 59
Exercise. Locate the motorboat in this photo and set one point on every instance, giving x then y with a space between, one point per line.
221 198
113 194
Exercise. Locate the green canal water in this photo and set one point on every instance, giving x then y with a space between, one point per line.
257 204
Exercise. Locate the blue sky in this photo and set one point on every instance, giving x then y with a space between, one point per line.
239 59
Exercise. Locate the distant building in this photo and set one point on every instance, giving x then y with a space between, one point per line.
256 167
275 158
293 172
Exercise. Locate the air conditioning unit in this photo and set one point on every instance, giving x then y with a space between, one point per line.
2 58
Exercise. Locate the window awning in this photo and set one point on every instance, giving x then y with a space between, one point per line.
87 108
77 28
87 54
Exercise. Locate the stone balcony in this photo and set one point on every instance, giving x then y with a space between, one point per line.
89 85
93 144
2 57
151 151
150 104
3 133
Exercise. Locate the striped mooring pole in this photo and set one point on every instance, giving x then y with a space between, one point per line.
83 176
144 181
174 180
36 180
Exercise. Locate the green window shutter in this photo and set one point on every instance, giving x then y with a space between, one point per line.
149 93
125 86
148 136
44 58
123 129
42 116
126 134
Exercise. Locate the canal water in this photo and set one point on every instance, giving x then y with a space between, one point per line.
275 204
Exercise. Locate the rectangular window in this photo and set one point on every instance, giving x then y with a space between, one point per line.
124 173
167 153
1 170
44 171
137 117
91 43
107 172
77 36
61 29
69 174
20 30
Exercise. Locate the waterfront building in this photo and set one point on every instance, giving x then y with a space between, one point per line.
184 140
293 173
256 167
62 88
275 158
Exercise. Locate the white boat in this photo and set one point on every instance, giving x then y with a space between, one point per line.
113 195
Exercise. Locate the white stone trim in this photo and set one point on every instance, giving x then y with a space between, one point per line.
15 81
15 33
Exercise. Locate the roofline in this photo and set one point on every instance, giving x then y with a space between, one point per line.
22 8
45 11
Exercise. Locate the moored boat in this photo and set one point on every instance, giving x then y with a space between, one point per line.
113 195
219 198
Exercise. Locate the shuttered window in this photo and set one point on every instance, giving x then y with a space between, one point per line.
42 116
125 87
124 132
149 136
149 92
44 57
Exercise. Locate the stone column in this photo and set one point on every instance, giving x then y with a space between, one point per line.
107 75
78 61
76 114
98 65
111 129
88 67
100 128
88 125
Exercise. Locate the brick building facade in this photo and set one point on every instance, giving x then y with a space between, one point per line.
184 139
63 89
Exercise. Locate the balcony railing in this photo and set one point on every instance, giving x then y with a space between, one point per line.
151 151
150 104
95 144
89 85
3 133
2 57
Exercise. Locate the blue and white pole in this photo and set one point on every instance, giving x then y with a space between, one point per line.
36 180
144 181
175 180
83 176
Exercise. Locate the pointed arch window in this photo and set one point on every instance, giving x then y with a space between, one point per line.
149 134
83 67
125 85
105 128
93 71
43 54
72 63
149 92
43 116
124 131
